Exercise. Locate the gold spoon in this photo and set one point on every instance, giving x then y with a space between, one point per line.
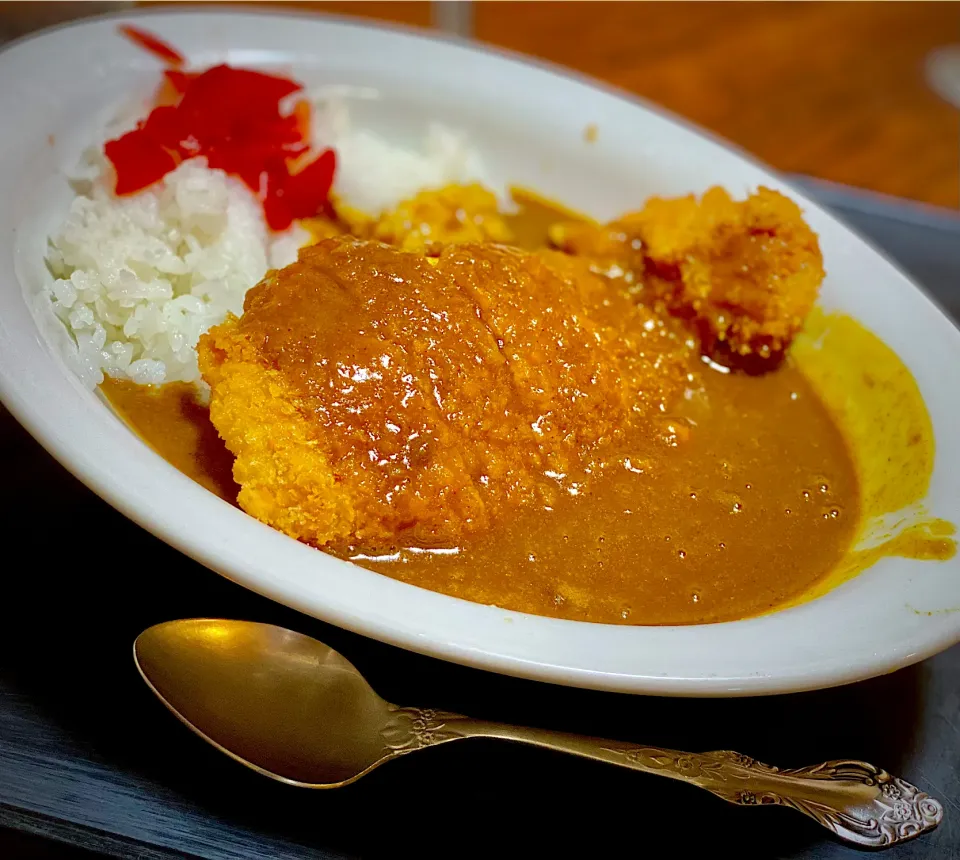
295 710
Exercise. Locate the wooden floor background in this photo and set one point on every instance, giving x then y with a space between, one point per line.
834 90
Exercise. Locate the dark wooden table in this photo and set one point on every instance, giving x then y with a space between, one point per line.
90 760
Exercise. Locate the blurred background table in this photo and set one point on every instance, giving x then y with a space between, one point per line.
833 90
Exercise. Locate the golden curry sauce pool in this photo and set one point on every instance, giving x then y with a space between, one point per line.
750 493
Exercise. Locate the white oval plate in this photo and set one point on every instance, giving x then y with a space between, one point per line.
528 121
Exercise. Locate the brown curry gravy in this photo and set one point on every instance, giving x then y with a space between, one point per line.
756 507
178 428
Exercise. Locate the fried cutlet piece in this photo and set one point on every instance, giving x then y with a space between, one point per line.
426 222
376 397
745 274
323 227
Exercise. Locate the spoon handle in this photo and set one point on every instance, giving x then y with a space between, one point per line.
858 802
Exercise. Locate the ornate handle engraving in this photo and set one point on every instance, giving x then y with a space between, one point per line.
411 729
857 801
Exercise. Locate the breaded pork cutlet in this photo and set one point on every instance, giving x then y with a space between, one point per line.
375 397
745 274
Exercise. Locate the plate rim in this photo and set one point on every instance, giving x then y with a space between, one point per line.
695 686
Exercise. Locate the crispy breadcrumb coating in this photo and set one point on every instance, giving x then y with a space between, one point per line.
454 214
745 274
374 396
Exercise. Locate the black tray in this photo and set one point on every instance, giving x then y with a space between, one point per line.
88 757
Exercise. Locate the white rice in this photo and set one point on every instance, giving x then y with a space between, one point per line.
374 175
137 280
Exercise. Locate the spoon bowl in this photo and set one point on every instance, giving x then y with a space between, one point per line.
279 702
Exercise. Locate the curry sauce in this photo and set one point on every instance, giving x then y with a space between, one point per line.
755 493
750 508
178 428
